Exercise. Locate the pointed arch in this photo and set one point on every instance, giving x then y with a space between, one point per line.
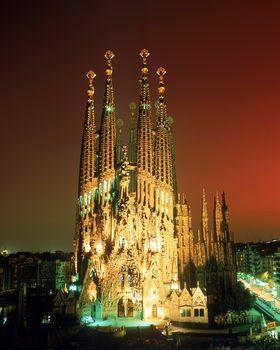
130 308
121 312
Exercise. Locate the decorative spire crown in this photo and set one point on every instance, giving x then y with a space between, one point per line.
109 56
161 106
161 88
107 138
90 75
144 54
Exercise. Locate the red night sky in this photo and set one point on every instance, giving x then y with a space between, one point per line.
223 83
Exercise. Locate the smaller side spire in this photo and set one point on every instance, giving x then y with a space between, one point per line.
217 217
120 124
132 146
132 134
225 223
204 219
227 235
170 122
218 220
161 117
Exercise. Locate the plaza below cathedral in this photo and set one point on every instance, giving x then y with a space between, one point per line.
137 256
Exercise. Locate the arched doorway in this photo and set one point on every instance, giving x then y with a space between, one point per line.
129 308
154 311
120 308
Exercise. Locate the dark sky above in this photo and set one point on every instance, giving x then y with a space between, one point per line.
223 82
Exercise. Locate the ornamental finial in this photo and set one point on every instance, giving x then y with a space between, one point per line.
161 73
144 54
90 75
109 56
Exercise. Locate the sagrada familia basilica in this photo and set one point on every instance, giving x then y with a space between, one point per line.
136 254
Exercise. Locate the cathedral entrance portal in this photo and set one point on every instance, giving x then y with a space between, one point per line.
129 308
120 308
154 311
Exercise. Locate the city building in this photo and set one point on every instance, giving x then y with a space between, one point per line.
277 271
252 261
136 253
258 259
50 270
29 282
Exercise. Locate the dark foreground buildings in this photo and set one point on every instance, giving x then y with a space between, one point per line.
30 284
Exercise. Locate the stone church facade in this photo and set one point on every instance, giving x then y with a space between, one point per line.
135 252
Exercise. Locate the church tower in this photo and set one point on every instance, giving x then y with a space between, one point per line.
204 223
163 158
132 146
145 180
107 144
87 184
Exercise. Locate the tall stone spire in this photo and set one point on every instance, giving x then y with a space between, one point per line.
132 134
175 187
163 158
119 141
87 181
144 139
132 147
225 223
204 220
88 148
217 218
107 146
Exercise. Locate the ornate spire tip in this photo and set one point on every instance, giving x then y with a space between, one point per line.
161 72
161 89
109 55
91 75
144 53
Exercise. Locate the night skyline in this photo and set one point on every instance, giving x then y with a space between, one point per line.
222 82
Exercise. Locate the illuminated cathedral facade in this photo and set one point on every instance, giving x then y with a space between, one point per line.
135 252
